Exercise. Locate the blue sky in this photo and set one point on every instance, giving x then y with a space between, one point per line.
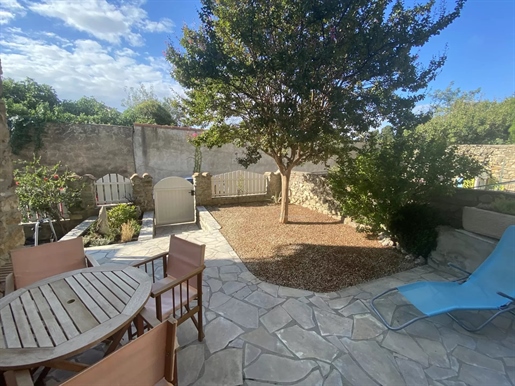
98 47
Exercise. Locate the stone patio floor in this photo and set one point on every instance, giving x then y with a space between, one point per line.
260 334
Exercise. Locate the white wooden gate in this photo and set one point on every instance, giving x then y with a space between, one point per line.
174 201
113 189
238 183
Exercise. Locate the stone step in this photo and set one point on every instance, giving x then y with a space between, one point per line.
206 221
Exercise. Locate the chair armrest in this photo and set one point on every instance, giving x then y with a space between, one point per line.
149 259
506 296
149 317
9 284
91 261
458 268
166 284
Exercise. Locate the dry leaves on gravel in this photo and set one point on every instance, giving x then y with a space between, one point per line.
313 251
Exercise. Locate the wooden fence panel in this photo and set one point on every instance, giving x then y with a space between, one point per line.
113 189
238 183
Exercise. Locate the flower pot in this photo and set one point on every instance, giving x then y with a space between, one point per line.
486 222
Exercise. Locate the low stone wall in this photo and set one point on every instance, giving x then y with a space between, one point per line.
142 191
451 207
311 190
499 159
203 193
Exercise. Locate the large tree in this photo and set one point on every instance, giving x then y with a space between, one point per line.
297 79
465 117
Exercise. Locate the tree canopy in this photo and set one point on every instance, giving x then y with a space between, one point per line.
296 80
465 118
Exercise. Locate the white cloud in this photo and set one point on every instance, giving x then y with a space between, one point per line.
103 20
83 68
9 9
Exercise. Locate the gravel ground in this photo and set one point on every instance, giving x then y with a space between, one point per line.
313 251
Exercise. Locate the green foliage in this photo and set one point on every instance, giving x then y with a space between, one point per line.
30 106
413 226
136 98
42 189
503 205
469 184
121 214
387 174
464 118
149 111
296 79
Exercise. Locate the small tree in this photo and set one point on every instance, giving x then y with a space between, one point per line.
389 173
42 189
295 79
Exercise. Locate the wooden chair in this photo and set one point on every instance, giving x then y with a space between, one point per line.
149 360
36 263
176 293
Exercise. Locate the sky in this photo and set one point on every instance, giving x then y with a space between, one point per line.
99 48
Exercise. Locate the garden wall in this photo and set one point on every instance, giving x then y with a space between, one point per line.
311 190
87 149
11 234
451 207
161 151
500 159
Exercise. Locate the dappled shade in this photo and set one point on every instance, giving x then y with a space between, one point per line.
314 252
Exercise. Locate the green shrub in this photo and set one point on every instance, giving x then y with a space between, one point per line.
502 205
414 227
120 214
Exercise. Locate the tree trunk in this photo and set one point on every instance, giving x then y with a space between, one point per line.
285 185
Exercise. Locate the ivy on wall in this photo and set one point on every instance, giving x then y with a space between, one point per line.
26 130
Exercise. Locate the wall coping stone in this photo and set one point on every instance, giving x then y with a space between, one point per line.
147 226
182 128
80 229
206 220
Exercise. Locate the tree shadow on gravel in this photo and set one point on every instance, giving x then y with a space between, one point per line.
325 268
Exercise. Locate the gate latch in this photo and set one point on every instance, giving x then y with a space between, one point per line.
192 192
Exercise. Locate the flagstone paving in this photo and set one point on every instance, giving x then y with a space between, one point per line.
259 333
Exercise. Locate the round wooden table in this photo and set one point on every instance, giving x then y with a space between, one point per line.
56 318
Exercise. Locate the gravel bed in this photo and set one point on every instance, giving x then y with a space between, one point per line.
313 251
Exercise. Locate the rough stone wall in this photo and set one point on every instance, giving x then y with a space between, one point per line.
11 233
311 190
142 191
87 149
500 159
451 207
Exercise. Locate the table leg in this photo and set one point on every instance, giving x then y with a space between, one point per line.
18 378
116 339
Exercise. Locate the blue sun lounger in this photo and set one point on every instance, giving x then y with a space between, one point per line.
490 287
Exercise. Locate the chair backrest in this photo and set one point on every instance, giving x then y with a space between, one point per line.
183 257
142 362
497 272
36 263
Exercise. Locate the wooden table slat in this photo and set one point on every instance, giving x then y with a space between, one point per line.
99 298
81 316
61 319
137 275
69 328
88 301
128 279
40 332
48 317
113 287
11 335
2 338
120 283
117 303
22 324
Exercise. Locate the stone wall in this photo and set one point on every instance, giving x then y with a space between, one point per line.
203 194
164 151
11 233
142 191
87 149
451 207
311 190
500 159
